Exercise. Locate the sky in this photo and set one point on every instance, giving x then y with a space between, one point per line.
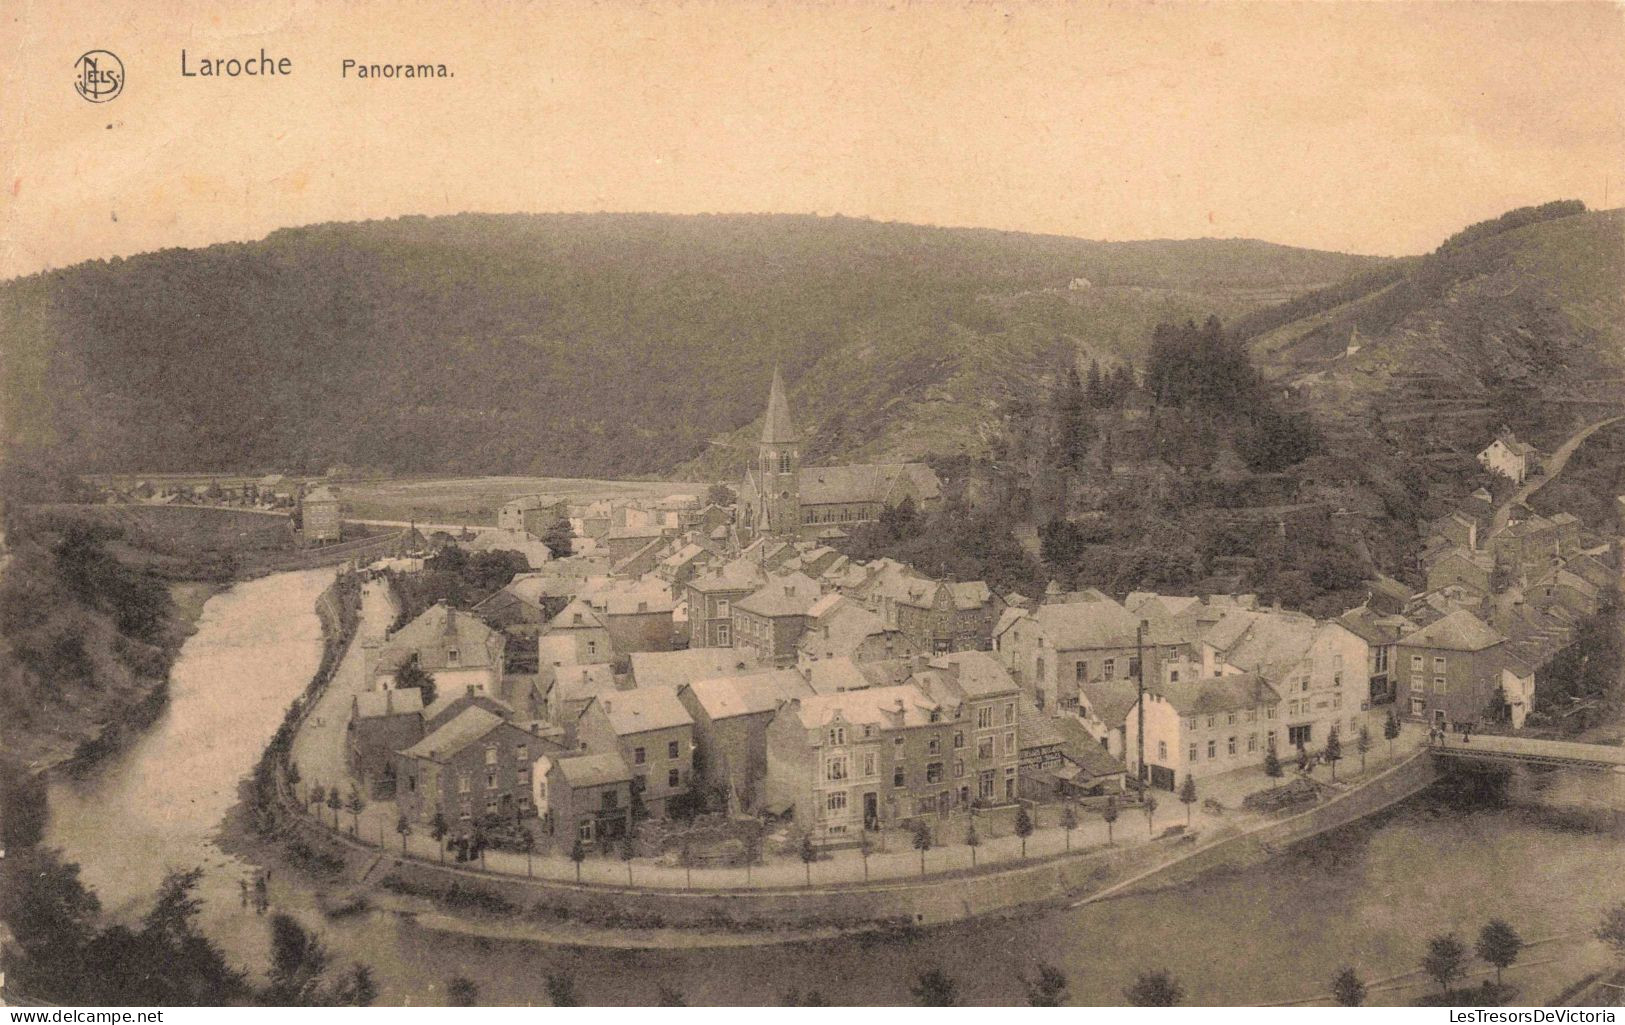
1371 127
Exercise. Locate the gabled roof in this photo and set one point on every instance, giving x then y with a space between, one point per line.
578 615
970 594
885 483
789 595
594 770
1458 631
1374 627
832 675
724 697
376 704
881 706
1208 694
439 628
643 709
738 575
1090 624
435 714
463 729
1034 727
1110 700
972 674
670 670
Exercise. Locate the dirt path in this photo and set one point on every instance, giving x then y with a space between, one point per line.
1553 467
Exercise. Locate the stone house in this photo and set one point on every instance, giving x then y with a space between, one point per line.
769 621
654 735
474 765
838 627
454 647
1203 726
711 597
319 516
381 723
1450 671
585 797
731 715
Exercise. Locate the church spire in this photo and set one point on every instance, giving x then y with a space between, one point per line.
777 428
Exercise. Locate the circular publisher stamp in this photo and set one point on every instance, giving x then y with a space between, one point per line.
100 75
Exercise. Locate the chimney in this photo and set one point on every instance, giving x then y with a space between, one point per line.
471 690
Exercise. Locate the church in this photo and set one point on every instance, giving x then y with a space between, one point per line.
781 498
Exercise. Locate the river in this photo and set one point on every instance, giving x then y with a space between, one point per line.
1368 896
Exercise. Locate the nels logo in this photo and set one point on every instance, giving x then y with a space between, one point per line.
100 76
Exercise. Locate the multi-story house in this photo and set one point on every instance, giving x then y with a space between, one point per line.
769 621
1381 634
1052 651
474 765
319 516
652 732
839 627
1203 726
731 715
381 723
1451 672
455 648
586 797
871 758
577 635
1509 457
711 597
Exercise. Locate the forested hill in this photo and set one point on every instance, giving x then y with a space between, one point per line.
600 345
1515 322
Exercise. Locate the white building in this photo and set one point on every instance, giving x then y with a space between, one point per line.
1204 726
1509 457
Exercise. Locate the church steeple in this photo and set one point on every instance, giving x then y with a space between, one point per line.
779 463
777 428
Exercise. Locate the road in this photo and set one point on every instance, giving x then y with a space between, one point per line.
318 747
1553 467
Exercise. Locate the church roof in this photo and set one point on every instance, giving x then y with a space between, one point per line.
878 482
777 428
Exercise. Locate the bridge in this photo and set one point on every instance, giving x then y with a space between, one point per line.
1486 747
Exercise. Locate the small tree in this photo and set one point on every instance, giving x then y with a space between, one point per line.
1069 821
685 857
1446 960
412 676
973 840
527 840
1024 827
1347 989
809 854
334 803
1155 989
1109 813
629 850
578 854
461 992
1612 930
559 539
561 989
1362 744
1334 750
1048 989
292 777
922 841
753 852
1499 944
404 828
1303 759
1150 813
1272 767
355 804
1390 730
1187 795
438 830
866 847
934 988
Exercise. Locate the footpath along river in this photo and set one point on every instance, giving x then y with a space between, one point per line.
1368 896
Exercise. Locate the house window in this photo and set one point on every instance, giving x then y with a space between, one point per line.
1269 713
452 656
933 746
837 736
984 784
1109 669
1232 747
1298 736
1010 783
1082 672
984 748
1133 668
868 730
1230 719
592 647
1210 722
491 806
723 637
609 800
490 756
959 740
1252 743
1038 668
490 781
835 769
1438 663
1194 751
520 752
1010 742
898 777
639 756
959 768
1190 724
673 777
584 831
1416 663
1010 713
835 801
933 772
1212 749
1173 676
869 764
984 718
1270 740
1438 685
897 741
465 783
1337 701
671 749
722 608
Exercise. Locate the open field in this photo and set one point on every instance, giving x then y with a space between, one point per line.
474 500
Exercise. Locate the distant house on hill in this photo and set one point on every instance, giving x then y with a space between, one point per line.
533 514
1510 458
